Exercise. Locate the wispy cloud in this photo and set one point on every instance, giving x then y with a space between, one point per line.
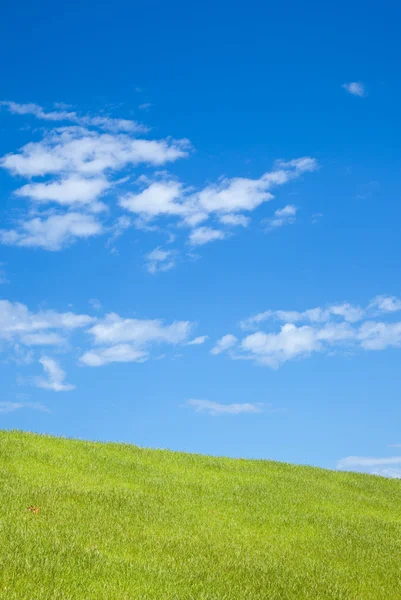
217 409
102 122
10 407
282 216
198 340
386 467
160 260
224 343
355 88
95 303
19 324
55 377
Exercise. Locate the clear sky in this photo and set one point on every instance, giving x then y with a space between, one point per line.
200 233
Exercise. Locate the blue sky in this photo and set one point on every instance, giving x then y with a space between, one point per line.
199 241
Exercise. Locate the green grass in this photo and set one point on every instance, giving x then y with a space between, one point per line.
117 521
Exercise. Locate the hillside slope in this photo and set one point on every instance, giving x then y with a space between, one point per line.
117 521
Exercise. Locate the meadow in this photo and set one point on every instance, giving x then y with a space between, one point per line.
115 521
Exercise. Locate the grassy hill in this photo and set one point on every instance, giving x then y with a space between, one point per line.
117 521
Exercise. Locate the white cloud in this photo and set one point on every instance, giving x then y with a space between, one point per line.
117 353
349 313
54 376
9 407
201 339
344 311
216 409
204 235
386 304
113 338
226 198
386 467
160 198
81 160
52 232
356 88
128 340
275 348
283 216
73 189
17 322
378 336
235 220
336 327
115 329
224 343
79 151
102 122
236 194
160 260
42 339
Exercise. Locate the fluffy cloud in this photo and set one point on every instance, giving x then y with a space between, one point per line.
52 232
355 88
227 198
114 329
204 235
113 338
84 152
128 340
117 353
73 189
87 156
216 409
337 327
159 198
55 376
